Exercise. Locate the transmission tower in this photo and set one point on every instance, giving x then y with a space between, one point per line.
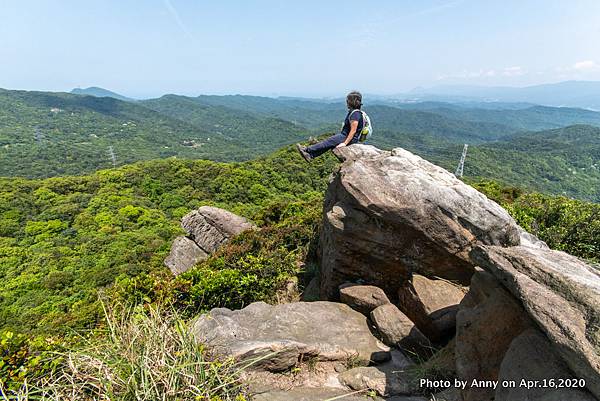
111 153
461 164
38 135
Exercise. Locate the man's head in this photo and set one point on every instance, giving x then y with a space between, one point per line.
354 100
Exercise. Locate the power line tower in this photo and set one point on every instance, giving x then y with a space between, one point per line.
38 135
461 164
112 155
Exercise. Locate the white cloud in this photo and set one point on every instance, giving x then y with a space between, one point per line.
515 71
585 65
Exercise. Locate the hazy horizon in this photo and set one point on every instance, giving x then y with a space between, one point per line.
309 49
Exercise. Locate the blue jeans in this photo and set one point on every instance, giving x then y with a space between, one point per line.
318 149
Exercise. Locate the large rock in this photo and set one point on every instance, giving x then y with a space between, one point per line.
363 298
389 214
531 357
561 294
488 320
184 255
397 330
210 227
281 334
431 304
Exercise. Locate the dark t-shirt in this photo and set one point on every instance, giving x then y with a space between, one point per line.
356 116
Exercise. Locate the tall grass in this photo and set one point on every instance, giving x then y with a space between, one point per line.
143 356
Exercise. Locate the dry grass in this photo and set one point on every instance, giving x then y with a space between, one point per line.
143 356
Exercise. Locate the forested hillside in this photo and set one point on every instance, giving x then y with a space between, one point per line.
50 134
47 134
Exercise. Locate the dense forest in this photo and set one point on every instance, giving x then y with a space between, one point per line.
46 134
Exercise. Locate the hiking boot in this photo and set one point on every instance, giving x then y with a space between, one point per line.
303 152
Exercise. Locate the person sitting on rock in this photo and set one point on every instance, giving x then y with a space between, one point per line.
350 134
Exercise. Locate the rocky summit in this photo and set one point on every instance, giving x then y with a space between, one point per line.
412 257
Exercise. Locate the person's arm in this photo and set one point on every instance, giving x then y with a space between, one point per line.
353 128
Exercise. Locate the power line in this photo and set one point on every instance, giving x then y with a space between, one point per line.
461 164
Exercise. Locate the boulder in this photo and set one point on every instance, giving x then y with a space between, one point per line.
488 320
282 334
432 305
363 298
184 255
389 214
210 227
397 330
561 294
531 357
451 394
385 382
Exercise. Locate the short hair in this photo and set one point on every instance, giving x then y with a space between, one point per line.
354 100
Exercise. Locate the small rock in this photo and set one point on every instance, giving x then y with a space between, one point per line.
397 330
307 394
184 255
452 394
311 292
362 298
432 305
385 382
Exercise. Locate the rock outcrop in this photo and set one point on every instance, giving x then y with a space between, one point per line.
531 357
207 228
184 254
561 294
390 214
282 334
434 258
488 320
210 227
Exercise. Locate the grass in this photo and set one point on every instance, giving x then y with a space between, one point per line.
144 355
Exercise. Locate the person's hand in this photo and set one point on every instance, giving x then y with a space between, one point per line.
341 145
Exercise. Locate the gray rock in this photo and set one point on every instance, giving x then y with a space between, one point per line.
281 334
311 292
432 305
387 215
531 357
488 320
561 294
184 255
383 381
397 330
309 394
531 241
451 394
363 298
210 227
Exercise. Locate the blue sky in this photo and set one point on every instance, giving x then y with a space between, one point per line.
147 48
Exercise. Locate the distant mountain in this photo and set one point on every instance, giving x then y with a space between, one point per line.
584 94
257 133
46 134
99 92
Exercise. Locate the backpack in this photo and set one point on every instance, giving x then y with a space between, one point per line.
367 129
